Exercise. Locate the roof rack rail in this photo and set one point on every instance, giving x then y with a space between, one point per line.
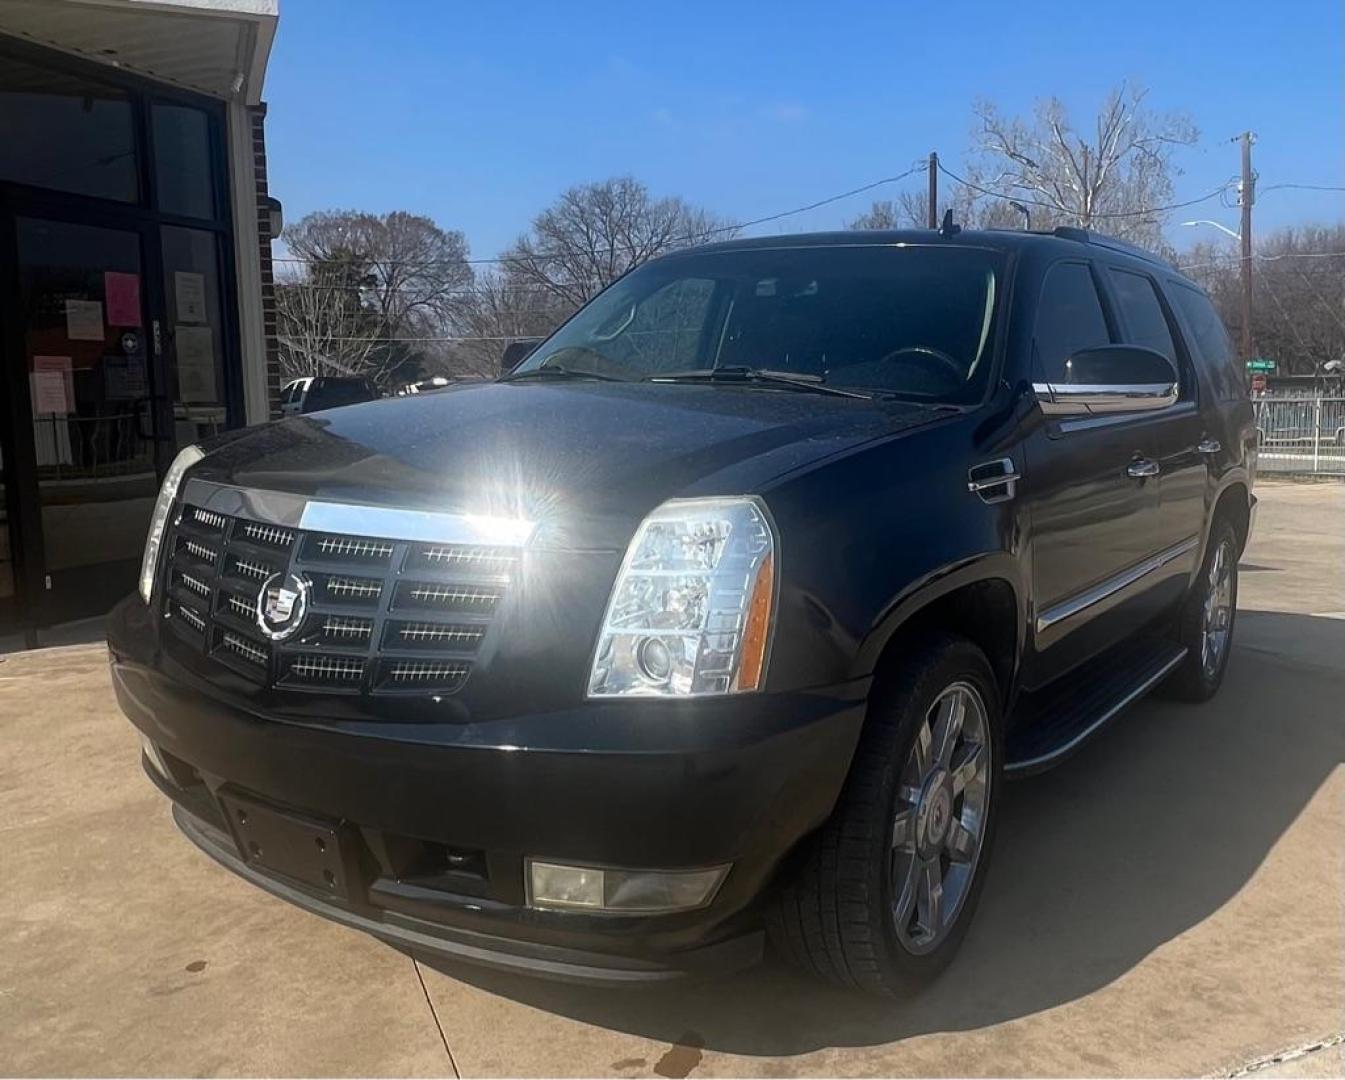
1084 236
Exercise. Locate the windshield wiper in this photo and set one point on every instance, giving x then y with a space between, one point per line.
795 380
559 371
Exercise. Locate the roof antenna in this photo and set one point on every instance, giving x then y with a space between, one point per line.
948 228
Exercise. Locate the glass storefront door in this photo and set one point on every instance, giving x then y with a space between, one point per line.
118 320
87 359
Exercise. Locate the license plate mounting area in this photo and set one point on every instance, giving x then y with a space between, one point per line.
306 850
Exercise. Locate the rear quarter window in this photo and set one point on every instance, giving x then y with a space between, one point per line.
1145 323
1209 341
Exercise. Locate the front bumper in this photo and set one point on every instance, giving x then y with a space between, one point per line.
439 818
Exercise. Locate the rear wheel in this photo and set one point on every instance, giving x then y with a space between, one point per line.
887 888
1206 624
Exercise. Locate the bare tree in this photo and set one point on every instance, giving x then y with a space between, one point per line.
371 295
1115 179
594 233
1298 302
503 308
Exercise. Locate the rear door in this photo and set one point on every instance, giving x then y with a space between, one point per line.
1177 433
1092 524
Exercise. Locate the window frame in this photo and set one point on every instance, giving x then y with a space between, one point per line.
1203 366
1035 369
1188 380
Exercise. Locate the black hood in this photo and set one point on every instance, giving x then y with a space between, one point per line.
597 456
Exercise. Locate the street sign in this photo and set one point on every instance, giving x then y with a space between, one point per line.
1263 365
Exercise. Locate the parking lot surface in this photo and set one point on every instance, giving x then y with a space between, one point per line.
1170 901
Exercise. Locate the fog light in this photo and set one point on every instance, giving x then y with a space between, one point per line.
633 892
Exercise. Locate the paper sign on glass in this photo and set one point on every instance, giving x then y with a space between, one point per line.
189 294
195 363
122 292
84 320
53 385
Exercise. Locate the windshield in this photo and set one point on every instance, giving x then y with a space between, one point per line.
912 321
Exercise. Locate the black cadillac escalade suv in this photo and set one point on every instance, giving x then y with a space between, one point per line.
725 615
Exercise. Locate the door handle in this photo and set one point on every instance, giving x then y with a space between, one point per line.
1142 467
1208 446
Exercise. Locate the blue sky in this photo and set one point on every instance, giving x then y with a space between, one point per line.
478 114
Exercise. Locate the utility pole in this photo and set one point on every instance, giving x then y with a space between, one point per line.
933 190
1246 197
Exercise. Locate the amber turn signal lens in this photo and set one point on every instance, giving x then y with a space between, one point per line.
756 633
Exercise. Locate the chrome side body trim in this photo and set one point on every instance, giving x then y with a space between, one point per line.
1137 692
1099 592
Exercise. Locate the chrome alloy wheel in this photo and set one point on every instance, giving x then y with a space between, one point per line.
1217 618
939 824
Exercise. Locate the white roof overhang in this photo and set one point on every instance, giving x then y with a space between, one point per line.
215 47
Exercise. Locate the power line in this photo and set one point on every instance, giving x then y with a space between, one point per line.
1234 257
1099 214
1301 187
692 238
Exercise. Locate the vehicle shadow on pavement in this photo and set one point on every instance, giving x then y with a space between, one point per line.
1145 833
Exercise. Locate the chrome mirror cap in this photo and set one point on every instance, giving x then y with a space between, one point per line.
1110 379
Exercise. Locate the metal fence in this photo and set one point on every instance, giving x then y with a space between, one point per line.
1301 435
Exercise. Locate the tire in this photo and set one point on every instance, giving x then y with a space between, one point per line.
839 914
1200 675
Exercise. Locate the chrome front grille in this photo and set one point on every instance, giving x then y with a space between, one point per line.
384 615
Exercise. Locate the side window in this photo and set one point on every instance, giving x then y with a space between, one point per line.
1069 318
1142 314
1210 339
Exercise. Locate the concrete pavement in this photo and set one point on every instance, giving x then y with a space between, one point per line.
1171 901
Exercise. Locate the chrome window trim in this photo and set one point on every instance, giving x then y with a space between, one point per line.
1096 594
1083 399
354 519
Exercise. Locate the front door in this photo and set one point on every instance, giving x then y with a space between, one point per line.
1092 522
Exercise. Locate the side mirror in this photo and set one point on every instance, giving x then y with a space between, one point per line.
1110 379
516 352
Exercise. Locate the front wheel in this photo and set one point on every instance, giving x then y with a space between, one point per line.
887 888
1206 622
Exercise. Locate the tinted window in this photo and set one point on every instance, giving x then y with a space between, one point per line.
914 321
182 160
63 132
1142 314
329 393
1069 318
1211 343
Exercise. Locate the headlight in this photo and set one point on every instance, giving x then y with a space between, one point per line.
162 508
691 609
